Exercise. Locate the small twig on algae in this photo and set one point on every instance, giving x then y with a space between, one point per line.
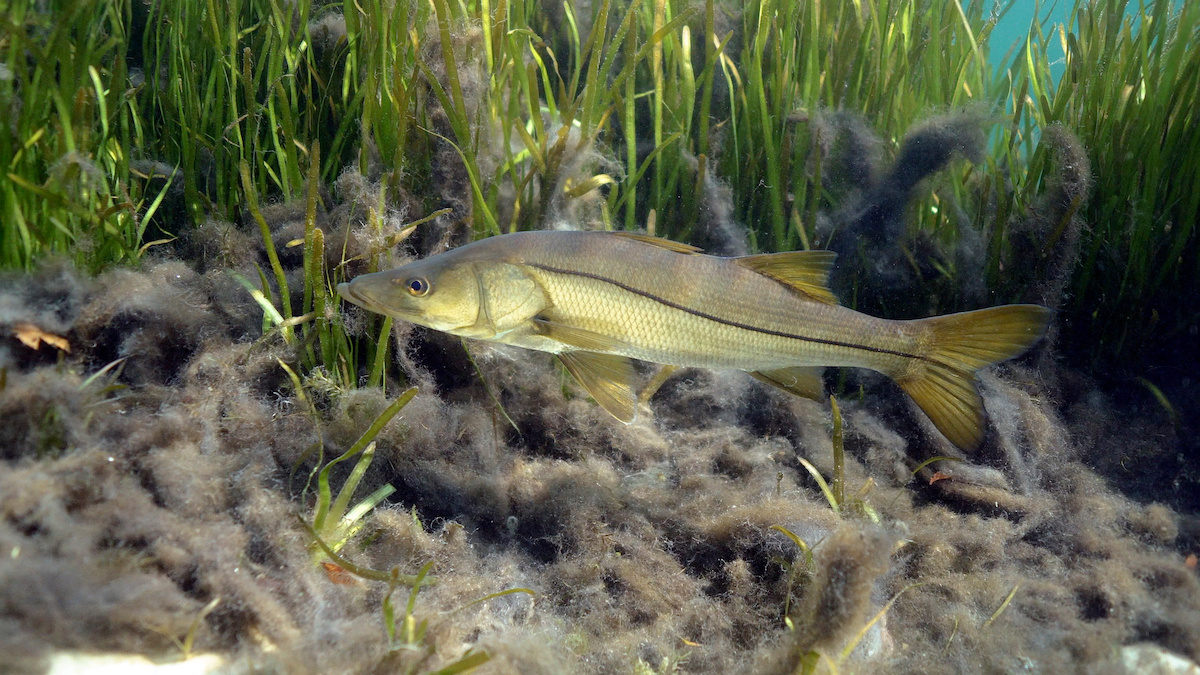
1003 606
862 632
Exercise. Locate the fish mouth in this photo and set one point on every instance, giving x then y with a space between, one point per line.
346 290
360 294
348 294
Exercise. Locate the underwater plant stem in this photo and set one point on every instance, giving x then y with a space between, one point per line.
630 123
338 509
839 453
268 243
774 187
315 286
711 50
812 471
379 362
324 496
392 577
656 64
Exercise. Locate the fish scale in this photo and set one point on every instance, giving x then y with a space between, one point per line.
661 334
721 288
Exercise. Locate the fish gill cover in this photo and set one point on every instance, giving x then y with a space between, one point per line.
184 189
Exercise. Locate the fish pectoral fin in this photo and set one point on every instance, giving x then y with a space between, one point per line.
802 381
579 338
804 271
607 378
668 244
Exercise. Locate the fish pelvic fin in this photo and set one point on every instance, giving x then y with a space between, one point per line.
942 380
607 378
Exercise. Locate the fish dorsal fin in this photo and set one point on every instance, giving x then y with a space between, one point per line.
609 380
803 271
675 246
802 381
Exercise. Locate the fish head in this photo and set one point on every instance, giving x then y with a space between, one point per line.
437 292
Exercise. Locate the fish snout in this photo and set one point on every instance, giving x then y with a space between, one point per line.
378 293
353 291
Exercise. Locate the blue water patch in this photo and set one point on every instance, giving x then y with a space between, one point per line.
1011 30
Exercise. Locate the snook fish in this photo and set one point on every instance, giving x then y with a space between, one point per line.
599 299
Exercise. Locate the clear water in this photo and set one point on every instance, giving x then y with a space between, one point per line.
1014 26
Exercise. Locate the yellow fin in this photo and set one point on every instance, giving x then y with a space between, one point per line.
951 401
804 271
675 246
609 380
656 382
804 381
942 382
580 338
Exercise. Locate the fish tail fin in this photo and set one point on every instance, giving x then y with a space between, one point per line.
942 379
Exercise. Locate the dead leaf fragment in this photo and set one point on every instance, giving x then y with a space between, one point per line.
31 336
338 575
938 476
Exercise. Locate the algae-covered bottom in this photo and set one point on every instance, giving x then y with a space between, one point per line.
132 500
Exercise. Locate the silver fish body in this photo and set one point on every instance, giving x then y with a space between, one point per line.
597 299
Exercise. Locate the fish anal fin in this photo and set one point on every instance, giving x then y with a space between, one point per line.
678 247
949 398
656 382
804 271
607 378
804 381
579 338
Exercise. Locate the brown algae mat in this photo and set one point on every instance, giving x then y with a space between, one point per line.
156 507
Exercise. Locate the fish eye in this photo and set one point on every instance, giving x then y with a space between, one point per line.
417 286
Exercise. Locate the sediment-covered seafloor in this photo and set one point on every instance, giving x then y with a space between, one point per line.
157 504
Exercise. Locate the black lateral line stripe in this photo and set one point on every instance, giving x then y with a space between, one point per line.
727 322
